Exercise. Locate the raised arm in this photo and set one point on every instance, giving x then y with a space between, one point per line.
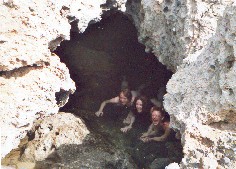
100 111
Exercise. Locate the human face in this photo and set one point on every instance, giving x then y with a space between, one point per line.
123 99
156 117
139 105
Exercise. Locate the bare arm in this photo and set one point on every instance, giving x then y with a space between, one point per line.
163 137
150 131
103 105
100 111
166 127
130 119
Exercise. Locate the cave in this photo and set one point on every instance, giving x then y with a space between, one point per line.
99 59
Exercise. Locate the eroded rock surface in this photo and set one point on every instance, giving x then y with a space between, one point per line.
29 92
202 103
33 81
174 29
196 40
63 140
53 132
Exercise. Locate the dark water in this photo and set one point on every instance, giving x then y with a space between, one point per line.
97 60
142 154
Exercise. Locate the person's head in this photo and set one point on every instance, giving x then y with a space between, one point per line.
157 115
125 96
140 104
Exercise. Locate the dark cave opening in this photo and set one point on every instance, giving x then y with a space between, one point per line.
98 59
103 54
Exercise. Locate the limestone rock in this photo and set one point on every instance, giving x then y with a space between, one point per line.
174 29
63 140
53 132
29 27
196 40
33 82
201 100
29 92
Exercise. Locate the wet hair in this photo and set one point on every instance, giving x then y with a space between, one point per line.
127 93
164 114
144 103
161 110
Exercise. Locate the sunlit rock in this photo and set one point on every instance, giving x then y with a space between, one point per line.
28 93
33 81
201 100
174 30
53 132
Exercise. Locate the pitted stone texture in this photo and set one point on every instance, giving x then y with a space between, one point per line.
30 76
27 27
53 132
174 29
28 93
201 100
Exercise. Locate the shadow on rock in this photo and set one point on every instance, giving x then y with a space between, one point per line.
94 152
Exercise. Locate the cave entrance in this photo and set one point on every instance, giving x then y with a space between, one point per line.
98 59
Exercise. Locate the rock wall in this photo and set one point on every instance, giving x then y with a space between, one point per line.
174 29
53 132
196 40
33 81
203 92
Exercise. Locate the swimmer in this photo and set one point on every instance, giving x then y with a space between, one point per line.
138 108
160 122
125 98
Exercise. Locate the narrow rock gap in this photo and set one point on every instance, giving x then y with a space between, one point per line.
19 72
98 59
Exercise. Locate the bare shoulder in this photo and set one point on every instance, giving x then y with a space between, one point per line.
114 100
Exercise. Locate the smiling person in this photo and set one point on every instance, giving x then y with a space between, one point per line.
160 125
125 99
138 111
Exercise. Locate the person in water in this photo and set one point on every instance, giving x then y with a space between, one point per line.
160 125
125 98
138 111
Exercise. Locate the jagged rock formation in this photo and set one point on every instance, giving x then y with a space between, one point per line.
52 132
33 81
29 92
174 29
201 97
30 75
